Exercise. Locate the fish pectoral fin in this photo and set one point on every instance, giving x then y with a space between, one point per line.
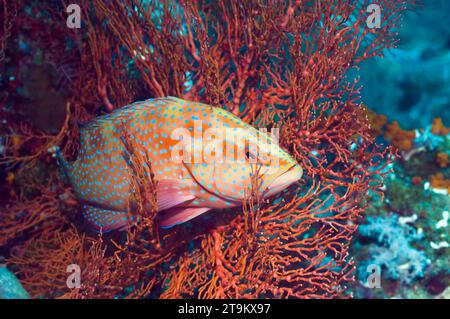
180 215
172 192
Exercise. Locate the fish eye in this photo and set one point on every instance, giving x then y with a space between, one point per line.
249 155
262 160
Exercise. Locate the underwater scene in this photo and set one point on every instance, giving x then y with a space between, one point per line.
224 149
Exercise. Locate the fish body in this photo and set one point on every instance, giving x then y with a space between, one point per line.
196 154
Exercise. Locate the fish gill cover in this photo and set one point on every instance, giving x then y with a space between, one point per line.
274 64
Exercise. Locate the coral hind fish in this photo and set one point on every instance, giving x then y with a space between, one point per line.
186 188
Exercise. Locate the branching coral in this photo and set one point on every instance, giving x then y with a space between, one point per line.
274 64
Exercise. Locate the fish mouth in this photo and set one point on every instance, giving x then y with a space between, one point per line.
284 180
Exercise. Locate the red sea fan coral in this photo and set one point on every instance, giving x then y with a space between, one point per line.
273 63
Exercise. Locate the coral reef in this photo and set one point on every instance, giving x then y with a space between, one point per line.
273 63
392 249
407 233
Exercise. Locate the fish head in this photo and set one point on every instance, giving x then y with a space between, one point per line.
236 159
275 168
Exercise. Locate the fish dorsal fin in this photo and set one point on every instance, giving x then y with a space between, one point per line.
125 112
174 99
184 103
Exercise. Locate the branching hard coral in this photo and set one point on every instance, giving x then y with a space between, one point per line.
272 63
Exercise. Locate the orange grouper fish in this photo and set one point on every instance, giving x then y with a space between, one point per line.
174 133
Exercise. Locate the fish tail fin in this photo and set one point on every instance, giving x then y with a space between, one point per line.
63 164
